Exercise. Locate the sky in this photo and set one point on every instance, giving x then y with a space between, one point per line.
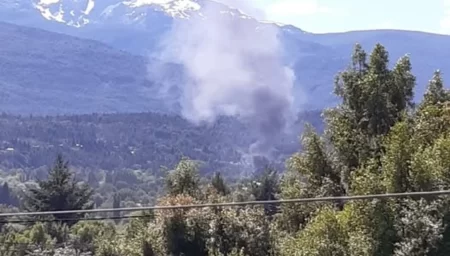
323 16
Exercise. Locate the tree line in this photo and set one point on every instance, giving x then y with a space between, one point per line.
376 141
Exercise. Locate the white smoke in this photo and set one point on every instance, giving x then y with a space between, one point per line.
233 67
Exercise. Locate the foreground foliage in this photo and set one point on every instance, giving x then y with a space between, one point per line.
376 141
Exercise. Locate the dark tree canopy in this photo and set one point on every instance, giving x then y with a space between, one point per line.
60 192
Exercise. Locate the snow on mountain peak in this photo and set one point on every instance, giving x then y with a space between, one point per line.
181 5
175 8
79 13
71 12
76 12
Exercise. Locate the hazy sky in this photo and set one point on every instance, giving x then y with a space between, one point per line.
321 16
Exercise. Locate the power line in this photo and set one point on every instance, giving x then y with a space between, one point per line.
74 219
231 204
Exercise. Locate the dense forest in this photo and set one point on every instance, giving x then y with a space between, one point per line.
142 140
376 141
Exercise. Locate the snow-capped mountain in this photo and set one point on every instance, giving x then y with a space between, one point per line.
136 26
116 21
82 13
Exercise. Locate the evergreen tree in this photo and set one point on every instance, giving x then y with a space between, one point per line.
60 192
356 151
396 161
315 165
374 98
435 93
402 91
433 115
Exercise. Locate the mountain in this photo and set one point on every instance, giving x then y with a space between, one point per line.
137 26
85 13
48 73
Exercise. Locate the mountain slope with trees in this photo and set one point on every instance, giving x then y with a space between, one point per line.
49 73
377 141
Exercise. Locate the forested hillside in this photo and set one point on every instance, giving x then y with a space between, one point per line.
376 141
142 140
62 74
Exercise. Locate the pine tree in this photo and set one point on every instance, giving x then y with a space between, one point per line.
60 192
436 92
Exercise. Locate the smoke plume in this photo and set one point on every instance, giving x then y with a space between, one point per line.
233 67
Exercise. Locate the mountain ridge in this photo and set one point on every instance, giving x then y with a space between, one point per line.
83 13
315 58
